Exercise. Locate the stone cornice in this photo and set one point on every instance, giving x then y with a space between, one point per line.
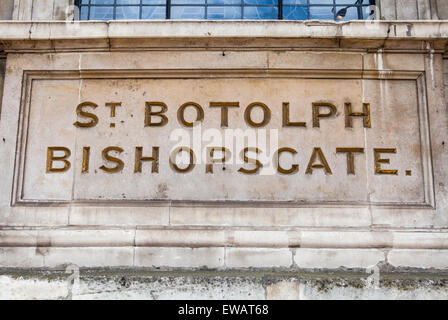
57 30
141 35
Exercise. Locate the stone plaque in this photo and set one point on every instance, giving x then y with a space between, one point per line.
208 138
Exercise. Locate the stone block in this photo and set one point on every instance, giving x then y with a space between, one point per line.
87 257
16 257
258 258
209 258
422 259
337 258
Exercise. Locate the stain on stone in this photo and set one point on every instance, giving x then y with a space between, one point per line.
161 192
42 251
124 282
409 30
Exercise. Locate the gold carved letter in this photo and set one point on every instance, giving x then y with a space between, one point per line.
266 115
286 121
139 158
379 161
107 157
211 160
51 158
294 168
80 112
85 159
350 157
149 114
317 152
224 110
180 113
365 114
173 157
250 160
317 115
113 106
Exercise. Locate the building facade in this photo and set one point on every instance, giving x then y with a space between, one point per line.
223 149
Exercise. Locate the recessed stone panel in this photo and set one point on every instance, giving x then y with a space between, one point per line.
109 136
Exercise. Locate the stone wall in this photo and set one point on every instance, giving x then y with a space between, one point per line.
6 9
407 9
442 9
41 9
231 242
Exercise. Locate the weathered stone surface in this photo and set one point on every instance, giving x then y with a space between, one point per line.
54 99
43 10
91 257
406 9
258 258
423 259
442 7
140 284
336 222
6 9
334 259
209 258
382 32
283 290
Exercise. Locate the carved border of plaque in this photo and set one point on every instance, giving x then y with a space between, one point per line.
25 105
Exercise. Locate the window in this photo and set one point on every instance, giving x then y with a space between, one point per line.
225 9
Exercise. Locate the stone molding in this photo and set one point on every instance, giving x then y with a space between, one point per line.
54 30
197 237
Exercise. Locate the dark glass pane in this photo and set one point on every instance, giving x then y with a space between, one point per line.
187 2
150 13
226 2
221 13
185 12
328 2
128 1
350 2
261 2
321 12
295 13
101 13
102 2
84 15
260 13
301 2
127 13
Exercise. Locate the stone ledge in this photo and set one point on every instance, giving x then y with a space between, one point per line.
222 237
46 30
221 258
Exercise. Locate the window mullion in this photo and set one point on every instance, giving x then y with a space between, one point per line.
280 9
140 13
168 9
